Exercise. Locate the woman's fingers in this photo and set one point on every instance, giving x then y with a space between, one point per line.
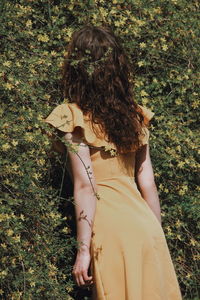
86 277
82 278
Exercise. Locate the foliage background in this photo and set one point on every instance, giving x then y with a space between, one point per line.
162 40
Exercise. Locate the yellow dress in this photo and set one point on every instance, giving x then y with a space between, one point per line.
130 255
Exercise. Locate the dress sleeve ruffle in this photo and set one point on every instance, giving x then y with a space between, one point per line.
67 116
148 115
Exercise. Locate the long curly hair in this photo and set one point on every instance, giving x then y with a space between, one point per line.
96 76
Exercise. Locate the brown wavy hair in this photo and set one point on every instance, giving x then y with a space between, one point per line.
96 75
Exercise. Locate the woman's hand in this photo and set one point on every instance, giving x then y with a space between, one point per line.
81 268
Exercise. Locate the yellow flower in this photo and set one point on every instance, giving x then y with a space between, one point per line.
30 270
183 190
142 45
36 176
178 223
7 63
3 273
153 45
138 83
4 217
5 147
108 148
53 53
14 167
43 38
164 47
69 32
103 12
54 19
47 96
113 152
29 23
65 230
178 101
8 86
143 93
181 164
117 23
163 39
9 232
71 7
41 162
28 137
140 63
193 242
16 238
22 217
32 284
145 100
157 10
14 143
188 275
3 245
32 70
195 104
140 22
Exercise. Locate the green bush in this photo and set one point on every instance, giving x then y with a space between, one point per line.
162 40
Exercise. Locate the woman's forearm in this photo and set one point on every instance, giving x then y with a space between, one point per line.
85 205
150 194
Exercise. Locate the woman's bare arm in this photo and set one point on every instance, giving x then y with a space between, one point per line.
85 202
145 180
84 188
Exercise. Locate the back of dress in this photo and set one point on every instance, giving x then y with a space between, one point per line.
130 256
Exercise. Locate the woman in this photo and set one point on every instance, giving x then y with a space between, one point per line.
121 241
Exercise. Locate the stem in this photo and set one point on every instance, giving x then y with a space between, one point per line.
24 278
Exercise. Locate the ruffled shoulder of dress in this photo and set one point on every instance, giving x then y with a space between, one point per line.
147 113
67 116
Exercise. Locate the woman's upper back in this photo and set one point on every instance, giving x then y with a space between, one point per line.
106 160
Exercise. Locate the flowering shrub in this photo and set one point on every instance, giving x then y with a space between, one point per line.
37 234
